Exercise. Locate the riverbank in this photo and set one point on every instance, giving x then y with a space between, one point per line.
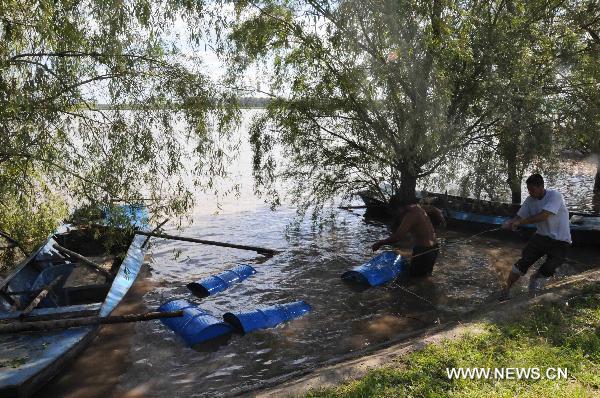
557 329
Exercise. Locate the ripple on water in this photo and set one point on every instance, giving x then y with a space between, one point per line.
466 275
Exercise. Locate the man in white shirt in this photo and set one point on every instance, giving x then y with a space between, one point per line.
546 208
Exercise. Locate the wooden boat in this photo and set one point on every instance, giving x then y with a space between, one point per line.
481 215
29 360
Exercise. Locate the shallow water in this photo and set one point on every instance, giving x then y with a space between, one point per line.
156 363
343 321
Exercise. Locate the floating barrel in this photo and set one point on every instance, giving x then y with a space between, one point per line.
265 318
195 326
217 283
379 270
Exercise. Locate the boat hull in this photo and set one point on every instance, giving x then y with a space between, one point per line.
481 215
30 360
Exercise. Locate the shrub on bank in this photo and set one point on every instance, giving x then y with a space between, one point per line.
548 336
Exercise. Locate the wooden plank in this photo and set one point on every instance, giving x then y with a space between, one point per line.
7 297
20 292
259 250
86 294
19 267
42 326
83 260
41 295
4 283
40 314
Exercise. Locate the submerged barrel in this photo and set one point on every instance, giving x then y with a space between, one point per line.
379 270
265 318
217 283
195 326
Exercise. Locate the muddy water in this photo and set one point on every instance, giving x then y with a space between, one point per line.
148 360
467 275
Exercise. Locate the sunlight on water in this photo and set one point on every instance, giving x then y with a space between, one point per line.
343 321
467 275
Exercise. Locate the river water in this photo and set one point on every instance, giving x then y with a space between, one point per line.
151 361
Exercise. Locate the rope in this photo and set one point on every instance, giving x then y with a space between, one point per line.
417 296
444 246
457 241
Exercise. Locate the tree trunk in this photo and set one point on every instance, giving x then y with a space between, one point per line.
514 180
406 192
408 186
597 179
515 195
596 203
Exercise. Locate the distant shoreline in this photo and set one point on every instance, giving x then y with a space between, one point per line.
244 103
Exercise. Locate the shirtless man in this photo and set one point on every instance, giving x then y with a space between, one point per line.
417 223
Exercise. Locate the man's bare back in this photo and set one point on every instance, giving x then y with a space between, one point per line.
417 224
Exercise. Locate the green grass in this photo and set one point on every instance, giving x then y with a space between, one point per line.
565 336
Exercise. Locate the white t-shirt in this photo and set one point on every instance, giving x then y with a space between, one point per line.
557 225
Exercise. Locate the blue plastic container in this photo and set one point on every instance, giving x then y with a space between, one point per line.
195 326
217 283
379 270
265 318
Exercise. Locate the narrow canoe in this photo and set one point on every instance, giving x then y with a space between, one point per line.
29 360
483 215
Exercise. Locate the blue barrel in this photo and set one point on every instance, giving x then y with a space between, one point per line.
217 283
195 326
379 270
265 318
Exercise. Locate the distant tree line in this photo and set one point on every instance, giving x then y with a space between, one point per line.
242 102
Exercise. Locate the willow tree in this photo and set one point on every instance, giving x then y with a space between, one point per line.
537 48
364 92
58 59
526 68
581 88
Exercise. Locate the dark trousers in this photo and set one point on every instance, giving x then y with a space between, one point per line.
423 260
538 246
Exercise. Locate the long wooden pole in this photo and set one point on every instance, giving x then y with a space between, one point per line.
41 326
83 260
352 207
154 230
259 250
